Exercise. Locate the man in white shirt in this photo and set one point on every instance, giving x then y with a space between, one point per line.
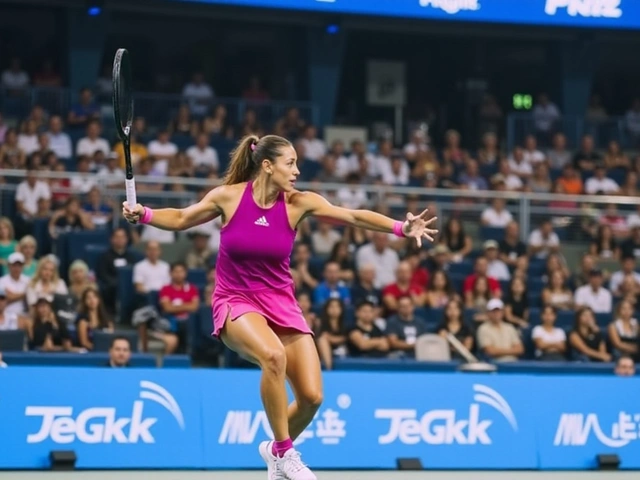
162 151
600 183
204 156
59 141
544 241
152 273
496 215
85 180
496 268
92 142
397 172
14 78
418 144
29 192
111 174
15 285
594 295
352 194
628 268
531 153
314 148
379 254
199 95
518 165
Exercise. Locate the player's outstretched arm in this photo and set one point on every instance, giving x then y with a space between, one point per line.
415 226
176 219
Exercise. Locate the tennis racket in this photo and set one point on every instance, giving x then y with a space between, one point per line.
123 114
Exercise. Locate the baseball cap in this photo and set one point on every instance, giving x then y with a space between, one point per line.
15 257
495 304
490 244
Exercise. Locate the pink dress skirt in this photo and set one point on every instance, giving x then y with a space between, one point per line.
277 305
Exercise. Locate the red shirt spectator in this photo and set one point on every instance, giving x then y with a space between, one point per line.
481 271
402 288
177 295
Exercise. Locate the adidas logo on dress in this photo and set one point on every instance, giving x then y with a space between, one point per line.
262 222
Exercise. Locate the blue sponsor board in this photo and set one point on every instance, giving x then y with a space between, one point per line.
571 13
213 419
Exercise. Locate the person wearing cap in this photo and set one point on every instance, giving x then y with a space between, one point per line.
496 268
496 215
497 340
594 295
15 284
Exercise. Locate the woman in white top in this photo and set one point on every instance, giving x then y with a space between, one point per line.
556 294
45 283
550 341
624 332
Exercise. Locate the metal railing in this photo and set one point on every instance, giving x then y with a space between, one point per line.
519 125
157 108
568 212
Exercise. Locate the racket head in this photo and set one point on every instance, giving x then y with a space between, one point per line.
123 102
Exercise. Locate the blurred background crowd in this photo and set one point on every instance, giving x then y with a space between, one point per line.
538 214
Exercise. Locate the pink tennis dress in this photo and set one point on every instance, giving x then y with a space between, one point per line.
252 268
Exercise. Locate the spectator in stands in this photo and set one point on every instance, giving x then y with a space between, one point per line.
328 172
496 268
199 255
456 240
396 172
10 320
379 254
403 286
587 159
198 94
550 341
44 150
314 148
182 166
496 215
511 247
92 143
365 339
204 156
45 283
28 138
332 341
303 268
546 116
28 193
600 183
628 269
480 271
115 257
178 301
478 298
519 166
255 93
453 323
352 195
152 273
556 294
11 155
79 279
323 239
404 328
630 187
625 367
452 151
440 290
111 174
119 352
614 219
92 316
581 277
47 334
99 211
531 154
631 246
516 309
15 79
594 295
615 157
555 262
15 284
82 113
218 125
570 181
69 219
540 182
505 179
331 287
489 152
137 148
364 289
543 241
624 331
471 178
180 125
632 121
8 243
211 285
162 150
558 156
418 143
28 247
340 254
151 233
604 246
586 340
497 340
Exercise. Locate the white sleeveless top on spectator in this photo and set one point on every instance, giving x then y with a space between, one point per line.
594 185
88 147
28 143
37 291
15 286
557 335
152 277
494 218
30 196
207 157
10 322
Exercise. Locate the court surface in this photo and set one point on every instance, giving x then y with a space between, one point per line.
261 475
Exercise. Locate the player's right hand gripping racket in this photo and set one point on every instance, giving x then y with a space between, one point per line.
123 113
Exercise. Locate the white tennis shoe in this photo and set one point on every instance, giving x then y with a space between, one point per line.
291 467
269 458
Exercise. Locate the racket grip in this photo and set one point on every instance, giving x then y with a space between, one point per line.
130 187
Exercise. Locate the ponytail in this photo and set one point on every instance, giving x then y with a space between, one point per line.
248 155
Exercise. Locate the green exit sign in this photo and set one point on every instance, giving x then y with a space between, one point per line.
522 101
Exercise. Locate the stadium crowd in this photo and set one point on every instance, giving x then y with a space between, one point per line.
365 295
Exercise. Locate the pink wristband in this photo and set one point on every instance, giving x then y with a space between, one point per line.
397 229
147 216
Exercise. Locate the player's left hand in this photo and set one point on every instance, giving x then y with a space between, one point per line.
418 227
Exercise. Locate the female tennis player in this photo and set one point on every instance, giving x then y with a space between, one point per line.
255 312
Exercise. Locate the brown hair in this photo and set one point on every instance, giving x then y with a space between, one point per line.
247 156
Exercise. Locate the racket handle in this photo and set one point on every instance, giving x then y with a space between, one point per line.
130 187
